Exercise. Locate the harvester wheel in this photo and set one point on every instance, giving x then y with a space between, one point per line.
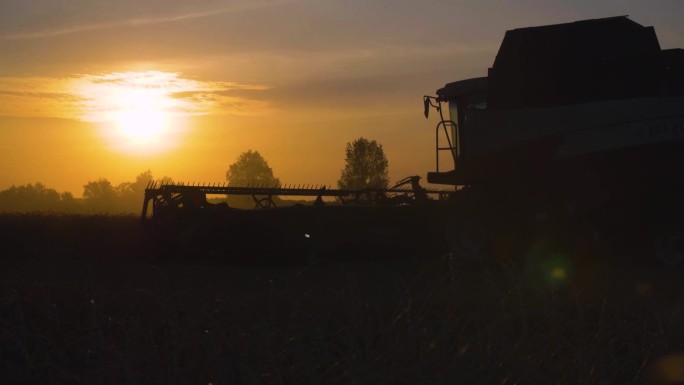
668 232
669 247
468 224
470 238
264 203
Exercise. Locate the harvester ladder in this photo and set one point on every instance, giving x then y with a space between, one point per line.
452 147
446 125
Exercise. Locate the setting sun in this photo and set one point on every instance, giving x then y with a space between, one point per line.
142 118
142 126
141 113
135 109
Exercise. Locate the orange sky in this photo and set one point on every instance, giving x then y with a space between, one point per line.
92 89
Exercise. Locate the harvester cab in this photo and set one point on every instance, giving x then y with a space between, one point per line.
459 97
599 93
580 119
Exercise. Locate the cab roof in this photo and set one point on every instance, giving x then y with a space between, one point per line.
468 89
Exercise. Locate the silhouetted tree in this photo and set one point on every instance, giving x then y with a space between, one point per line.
99 189
251 169
67 202
366 166
100 195
35 197
165 180
136 188
130 194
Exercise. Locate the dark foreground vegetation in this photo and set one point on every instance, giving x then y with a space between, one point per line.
82 303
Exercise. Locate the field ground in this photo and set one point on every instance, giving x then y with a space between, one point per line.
82 303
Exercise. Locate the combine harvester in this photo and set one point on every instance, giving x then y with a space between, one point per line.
574 139
577 132
405 220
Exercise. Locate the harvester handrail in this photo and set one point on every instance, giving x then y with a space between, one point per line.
451 147
436 103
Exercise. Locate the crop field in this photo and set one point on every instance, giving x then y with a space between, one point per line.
87 300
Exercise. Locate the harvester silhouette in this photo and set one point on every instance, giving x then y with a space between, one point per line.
401 220
578 130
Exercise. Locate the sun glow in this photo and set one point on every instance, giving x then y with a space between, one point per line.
142 117
138 113
136 110
141 126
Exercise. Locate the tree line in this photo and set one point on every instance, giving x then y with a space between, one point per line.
366 166
99 196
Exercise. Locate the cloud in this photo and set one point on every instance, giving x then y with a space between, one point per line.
97 97
37 97
73 26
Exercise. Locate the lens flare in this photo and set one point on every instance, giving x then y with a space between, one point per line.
547 268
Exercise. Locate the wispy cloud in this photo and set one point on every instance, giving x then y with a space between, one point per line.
144 20
96 97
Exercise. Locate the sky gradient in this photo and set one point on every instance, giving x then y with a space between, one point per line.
293 79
